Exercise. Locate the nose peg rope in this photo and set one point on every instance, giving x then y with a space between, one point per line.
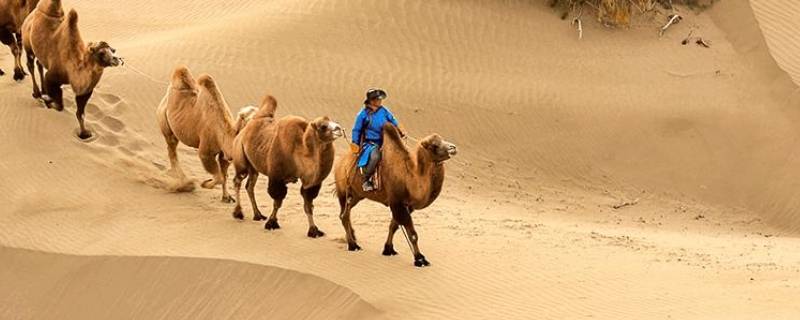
128 66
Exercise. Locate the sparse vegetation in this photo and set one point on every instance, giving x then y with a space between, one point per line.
619 13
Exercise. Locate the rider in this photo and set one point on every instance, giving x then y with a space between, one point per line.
368 134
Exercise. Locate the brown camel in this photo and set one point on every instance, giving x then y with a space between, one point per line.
284 150
196 114
410 180
12 15
54 42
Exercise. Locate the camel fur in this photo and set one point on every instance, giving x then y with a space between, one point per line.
410 180
195 113
12 15
285 150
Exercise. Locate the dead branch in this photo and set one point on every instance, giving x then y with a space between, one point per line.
703 42
578 23
625 204
688 38
673 19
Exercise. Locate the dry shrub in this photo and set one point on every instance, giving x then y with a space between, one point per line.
619 13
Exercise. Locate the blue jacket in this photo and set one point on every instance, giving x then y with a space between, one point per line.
372 124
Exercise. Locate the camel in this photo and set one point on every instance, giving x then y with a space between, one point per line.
12 15
285 150
196 114
54 42
410 180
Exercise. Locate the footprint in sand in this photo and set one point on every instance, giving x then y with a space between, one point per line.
112 123
93 110
109 98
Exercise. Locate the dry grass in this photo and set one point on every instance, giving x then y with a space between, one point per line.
619 13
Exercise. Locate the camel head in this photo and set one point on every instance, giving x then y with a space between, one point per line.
326 130
104 54
440 149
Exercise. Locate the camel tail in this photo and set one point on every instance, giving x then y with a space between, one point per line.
268 107
244 116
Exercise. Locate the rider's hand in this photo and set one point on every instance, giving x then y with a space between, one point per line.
354 148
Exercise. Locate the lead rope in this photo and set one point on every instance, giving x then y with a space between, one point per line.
408 240
128 66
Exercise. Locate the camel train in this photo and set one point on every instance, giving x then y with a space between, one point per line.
194 112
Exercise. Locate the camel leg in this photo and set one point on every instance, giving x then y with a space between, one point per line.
16 49
172 152
401 214
6 38
251 193
211 165
350 202
223 166
237 187
40 67
308 205
80 101
55 96
277 191
388 248
30 61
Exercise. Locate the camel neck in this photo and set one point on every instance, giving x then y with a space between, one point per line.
429 173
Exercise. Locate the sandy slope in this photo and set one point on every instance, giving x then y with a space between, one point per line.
60 286
553 132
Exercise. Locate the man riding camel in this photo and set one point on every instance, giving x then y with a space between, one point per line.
368 134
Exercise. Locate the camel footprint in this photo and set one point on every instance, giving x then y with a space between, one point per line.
112 123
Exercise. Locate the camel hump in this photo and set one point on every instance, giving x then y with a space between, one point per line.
207 82
72 18
182 78
391 132
268 107
51 8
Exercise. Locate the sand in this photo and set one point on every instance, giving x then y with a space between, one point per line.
553 133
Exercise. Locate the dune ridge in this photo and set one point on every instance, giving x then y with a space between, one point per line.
39 285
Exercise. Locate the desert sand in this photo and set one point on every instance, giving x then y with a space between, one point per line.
554 133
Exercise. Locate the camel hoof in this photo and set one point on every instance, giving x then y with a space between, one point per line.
420 261
237 213
37 95
208 184
258 217
314 232
228 199
19 75
353 247
50 104
84 135
272 224
388 250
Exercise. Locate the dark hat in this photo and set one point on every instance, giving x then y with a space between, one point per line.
375 93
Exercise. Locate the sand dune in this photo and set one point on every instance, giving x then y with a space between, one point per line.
553 132
49 286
